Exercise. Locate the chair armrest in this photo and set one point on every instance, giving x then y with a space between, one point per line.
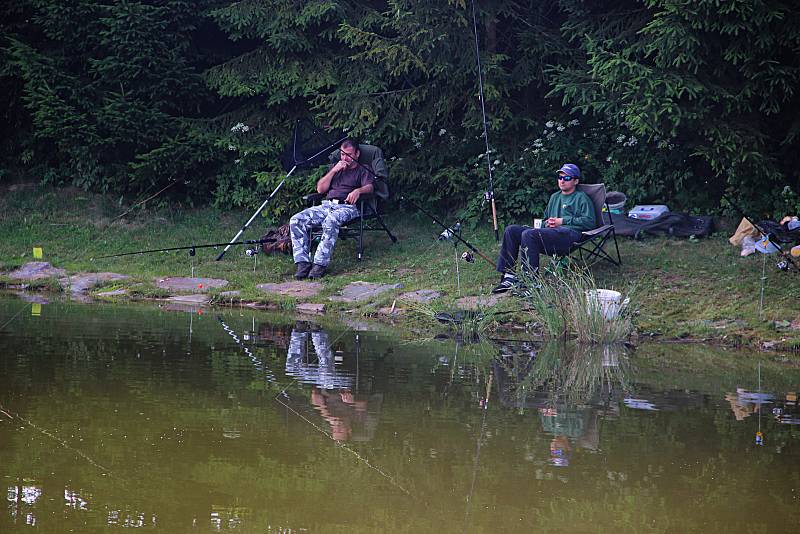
597 231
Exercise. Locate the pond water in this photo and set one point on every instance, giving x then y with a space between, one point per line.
205 421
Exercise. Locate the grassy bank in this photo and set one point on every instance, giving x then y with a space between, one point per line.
682 289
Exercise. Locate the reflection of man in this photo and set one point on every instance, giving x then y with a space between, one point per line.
578 424
744 402
332 393
343 185
340 409
320 369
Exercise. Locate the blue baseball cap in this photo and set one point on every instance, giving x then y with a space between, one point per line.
571 170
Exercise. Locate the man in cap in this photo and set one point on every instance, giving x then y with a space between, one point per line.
343 185
569 212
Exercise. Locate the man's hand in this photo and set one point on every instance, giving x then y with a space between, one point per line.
554 222
352 198
340 166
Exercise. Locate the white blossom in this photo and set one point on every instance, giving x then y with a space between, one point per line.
442 132
549 124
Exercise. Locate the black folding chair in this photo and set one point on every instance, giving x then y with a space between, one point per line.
592 247
370 206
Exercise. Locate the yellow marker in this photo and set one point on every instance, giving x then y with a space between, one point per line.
37 253
36 309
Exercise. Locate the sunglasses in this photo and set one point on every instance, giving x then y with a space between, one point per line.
566 178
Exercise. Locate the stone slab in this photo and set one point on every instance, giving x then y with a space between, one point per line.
115 293
190 285
482 301
81 282
36 270
360 291
422 295
196 299
296 289
388 311
310 308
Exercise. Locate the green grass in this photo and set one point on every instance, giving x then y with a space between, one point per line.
684 289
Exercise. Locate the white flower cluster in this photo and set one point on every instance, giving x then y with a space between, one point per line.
240 127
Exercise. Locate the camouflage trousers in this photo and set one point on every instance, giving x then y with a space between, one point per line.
330 216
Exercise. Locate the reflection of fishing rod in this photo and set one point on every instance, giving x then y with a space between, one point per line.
270 377
450 232
484 407
769 236
191 248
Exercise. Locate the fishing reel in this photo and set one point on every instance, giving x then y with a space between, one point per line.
468 257
250 252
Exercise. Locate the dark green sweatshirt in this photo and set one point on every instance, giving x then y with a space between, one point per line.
576 209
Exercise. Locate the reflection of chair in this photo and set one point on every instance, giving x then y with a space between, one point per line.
591 248
369 206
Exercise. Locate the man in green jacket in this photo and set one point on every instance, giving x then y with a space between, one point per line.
569 212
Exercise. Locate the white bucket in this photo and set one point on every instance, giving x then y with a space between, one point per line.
608 301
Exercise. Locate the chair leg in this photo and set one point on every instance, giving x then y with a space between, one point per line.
385 228
361 233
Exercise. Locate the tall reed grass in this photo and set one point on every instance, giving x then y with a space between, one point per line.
562 305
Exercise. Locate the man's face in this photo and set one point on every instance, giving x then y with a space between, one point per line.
349 155
566 183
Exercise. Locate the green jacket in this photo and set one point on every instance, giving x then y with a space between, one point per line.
576 209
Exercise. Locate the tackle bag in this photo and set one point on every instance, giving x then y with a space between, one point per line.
277 240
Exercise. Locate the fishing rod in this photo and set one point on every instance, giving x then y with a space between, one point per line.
190 248
489 195
449 231
787 261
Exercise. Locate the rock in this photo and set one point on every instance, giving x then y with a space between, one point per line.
389 311
36 270
422 295
483 301
32 297
81 282
360 291
308 307
296 289
196 300
230 294
115 293
191 285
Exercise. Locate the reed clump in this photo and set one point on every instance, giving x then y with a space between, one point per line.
565 304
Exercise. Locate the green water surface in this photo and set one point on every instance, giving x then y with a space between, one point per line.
175 420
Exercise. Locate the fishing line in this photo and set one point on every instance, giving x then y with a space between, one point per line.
11 415
23 308
341 444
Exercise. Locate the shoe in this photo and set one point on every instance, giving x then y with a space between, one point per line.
303 269
317 271
506 284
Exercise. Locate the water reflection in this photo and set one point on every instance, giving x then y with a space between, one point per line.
350 414
569 386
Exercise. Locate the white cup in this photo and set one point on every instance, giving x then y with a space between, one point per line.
537 223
